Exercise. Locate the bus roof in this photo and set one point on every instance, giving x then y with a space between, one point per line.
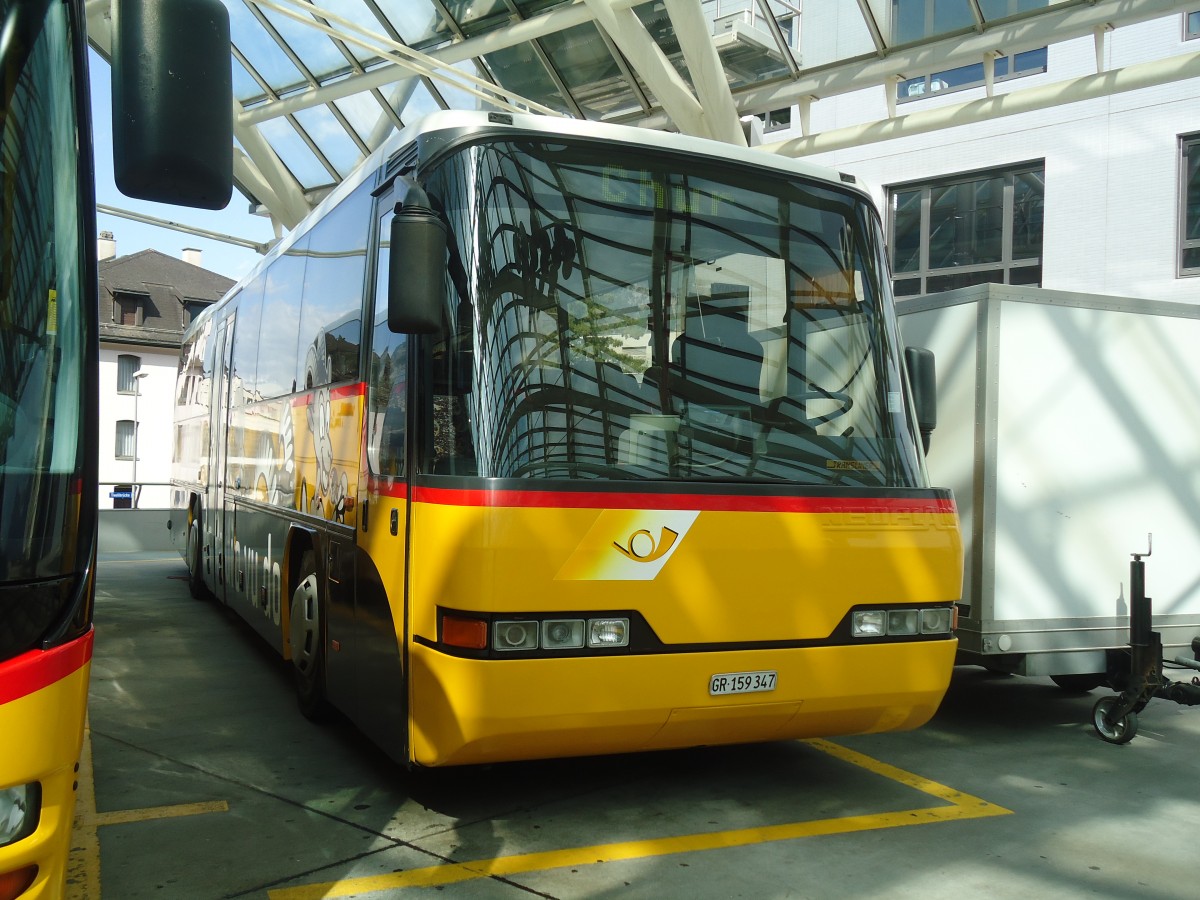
467 123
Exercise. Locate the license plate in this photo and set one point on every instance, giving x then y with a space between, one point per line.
741 683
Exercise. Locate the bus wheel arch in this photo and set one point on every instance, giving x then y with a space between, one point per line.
306 625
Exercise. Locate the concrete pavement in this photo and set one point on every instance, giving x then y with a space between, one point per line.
207 783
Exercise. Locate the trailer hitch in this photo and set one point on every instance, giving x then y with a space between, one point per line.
1115 718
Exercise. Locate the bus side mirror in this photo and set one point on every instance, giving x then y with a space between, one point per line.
172 97
922 378
417 269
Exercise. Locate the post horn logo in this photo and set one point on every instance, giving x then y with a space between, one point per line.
641 546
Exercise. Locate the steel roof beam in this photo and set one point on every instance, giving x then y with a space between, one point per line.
558 19
1027 31
717 108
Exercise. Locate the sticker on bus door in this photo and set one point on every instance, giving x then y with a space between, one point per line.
628 545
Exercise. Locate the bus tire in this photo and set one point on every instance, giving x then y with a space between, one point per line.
308 640
195 558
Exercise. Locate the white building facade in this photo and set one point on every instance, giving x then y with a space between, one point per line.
1098 196
146 300
136 425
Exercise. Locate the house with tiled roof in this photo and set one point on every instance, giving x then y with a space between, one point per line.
146 300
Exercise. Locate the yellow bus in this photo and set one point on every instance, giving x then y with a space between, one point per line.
48 366
542 438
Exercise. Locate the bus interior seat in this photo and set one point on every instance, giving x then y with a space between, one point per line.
716 350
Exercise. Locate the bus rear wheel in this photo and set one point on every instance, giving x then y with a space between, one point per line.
308 640
195 561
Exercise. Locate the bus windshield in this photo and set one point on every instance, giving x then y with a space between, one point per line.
620 314
43 324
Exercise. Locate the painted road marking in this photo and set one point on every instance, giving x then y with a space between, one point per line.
958 806
83 866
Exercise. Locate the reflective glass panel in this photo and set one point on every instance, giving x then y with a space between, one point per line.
623 315
906 236
966 223
1029 194
45 328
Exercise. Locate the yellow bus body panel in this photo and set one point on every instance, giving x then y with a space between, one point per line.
729 576
473 711
42 736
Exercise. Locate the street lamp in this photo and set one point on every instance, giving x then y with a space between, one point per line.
137 392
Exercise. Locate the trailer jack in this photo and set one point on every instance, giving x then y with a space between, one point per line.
1115 718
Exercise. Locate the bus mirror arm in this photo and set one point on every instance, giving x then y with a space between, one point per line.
417 267
922 379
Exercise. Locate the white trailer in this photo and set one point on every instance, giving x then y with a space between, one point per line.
1069 429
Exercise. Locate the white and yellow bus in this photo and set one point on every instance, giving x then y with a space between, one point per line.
543 438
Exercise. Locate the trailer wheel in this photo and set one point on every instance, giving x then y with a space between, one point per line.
1122 730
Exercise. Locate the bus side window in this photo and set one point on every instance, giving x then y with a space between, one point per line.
280 322
331 313
388 410
387 378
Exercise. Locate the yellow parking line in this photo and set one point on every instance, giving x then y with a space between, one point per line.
161 812
960 806
83 866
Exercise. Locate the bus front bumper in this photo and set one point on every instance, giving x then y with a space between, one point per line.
467 711
42 733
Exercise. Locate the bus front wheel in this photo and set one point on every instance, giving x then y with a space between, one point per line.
308 640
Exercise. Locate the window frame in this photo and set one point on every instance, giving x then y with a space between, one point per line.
136 301
1007 264
127 435
1191 25
1187 142
127 382
1011 73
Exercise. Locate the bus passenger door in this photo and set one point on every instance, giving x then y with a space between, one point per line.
214 501
381 596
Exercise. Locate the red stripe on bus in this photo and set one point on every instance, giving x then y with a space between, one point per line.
38 669
702 502
341 392
397 489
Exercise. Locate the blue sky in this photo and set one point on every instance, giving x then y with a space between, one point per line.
225 259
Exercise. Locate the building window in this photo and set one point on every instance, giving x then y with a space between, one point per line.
126 439
776 119
1191 25
1013 66
191 309
967 229
914 20
127 309
1189 206
127 367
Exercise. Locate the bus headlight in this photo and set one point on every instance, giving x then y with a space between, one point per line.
869 623
562 634
608 632
20 808
514 635
903 621
935 621
522 635
907 622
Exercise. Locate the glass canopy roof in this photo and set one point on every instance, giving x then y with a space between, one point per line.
318 85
